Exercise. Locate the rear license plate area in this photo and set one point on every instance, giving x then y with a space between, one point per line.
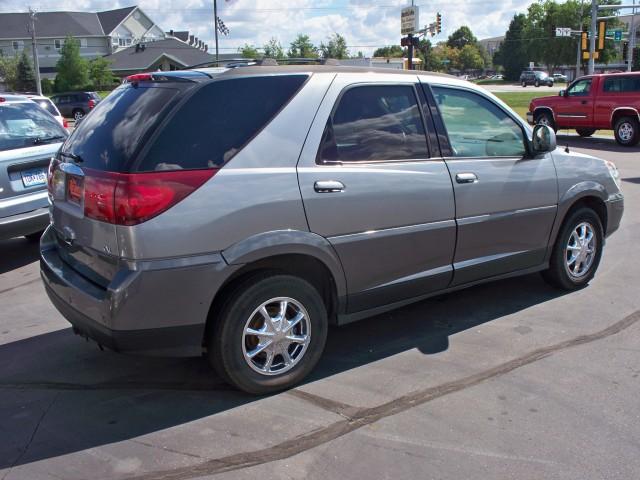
34 177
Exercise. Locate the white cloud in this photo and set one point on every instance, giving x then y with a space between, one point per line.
365 24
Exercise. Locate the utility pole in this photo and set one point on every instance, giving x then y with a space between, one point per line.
579 57
34 49
215 26
410 52
632 38
592 40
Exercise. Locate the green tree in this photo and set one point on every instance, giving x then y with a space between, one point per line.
302 47
448 56
336 47
431 60
9 71
73 70
100 74
469 58
25 75
273 49
512 53
248 51
47 86
461 37
394 51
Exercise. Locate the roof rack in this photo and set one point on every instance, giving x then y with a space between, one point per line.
265 62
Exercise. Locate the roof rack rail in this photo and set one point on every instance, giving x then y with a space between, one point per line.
265 62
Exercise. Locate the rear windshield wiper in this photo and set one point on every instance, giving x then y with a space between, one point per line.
39 140
72 156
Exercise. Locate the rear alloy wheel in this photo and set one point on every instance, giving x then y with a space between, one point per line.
586 132
77 115
577 251
627 131
269 334
545 118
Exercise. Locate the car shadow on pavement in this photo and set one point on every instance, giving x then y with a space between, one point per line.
16 253
592 143
60 394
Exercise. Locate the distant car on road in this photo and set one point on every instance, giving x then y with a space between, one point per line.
49 106
559 77
75 104
535 78
496 77
604 101
29 137
237 213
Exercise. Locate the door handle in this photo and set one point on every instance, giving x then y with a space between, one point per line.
466 178
583 102
328 186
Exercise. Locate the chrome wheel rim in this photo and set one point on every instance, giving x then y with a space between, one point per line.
78 115
625 131
544 120
276 336
580 251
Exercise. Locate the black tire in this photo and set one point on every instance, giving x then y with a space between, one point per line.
627 131
226 345
545 118
34 237
586 132
537 83
524 84
557 274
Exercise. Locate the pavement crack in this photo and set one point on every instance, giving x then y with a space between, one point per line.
19 285
343 409
165 449
367 416
31 438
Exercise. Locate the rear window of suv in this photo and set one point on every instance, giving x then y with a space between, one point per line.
217 121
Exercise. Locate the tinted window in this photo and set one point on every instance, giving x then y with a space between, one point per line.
26 124
477 127
374 123
622 84
580 88
217 121
47 105
110 136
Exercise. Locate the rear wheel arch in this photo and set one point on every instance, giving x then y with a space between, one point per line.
304 266
623 112
543 110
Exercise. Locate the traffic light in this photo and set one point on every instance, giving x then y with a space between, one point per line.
438 22
584 44
602 33
625 50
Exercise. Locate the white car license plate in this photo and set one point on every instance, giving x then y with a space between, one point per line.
35 177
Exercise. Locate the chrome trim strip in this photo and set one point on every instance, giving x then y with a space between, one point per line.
422 227
495 216
415 276
568 115
480 260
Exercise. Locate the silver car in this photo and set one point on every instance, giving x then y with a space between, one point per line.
29 137
237 213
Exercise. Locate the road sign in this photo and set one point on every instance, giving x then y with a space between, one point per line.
409 20
563 32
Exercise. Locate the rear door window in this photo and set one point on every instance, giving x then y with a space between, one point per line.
374 123
622 84
217 121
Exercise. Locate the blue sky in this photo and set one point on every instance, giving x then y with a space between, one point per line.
365 24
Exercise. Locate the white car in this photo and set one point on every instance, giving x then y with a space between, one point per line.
49 106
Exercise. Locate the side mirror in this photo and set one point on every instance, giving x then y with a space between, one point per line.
562 93
543 139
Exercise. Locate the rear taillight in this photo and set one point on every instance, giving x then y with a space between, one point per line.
92 103
133 198
65 124
139 77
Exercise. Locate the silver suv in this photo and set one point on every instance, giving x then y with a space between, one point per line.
29 137
240 212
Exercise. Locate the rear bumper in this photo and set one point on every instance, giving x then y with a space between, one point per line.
615 209
24 223
154 307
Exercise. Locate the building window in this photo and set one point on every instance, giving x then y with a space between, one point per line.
18 45
57 43
83 42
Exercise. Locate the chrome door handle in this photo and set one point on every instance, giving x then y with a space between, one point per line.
466 178
328 186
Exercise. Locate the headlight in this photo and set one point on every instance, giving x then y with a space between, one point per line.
614 172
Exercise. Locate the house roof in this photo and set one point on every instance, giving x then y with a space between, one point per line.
50 24
179 52
110 19
181 35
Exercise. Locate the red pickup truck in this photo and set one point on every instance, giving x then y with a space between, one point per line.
604 101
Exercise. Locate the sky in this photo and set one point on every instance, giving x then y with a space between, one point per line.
365 24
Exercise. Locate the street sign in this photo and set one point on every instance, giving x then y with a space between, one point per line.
409 20
563 32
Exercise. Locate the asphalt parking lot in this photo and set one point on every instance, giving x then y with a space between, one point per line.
510 380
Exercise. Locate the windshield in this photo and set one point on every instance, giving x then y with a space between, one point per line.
25 125
47 105
542 74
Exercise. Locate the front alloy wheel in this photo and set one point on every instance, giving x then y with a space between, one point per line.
580 250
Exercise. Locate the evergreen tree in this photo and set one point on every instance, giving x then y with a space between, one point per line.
273 49
512 54
73 70
100 73
25 75
336 47
302 47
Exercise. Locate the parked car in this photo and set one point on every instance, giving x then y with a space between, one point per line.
604 101
496 77
48 105
29 137
244 211
559 77
536 78
75 104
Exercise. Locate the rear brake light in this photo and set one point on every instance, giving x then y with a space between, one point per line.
65 124
139 77
92 103
133 198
